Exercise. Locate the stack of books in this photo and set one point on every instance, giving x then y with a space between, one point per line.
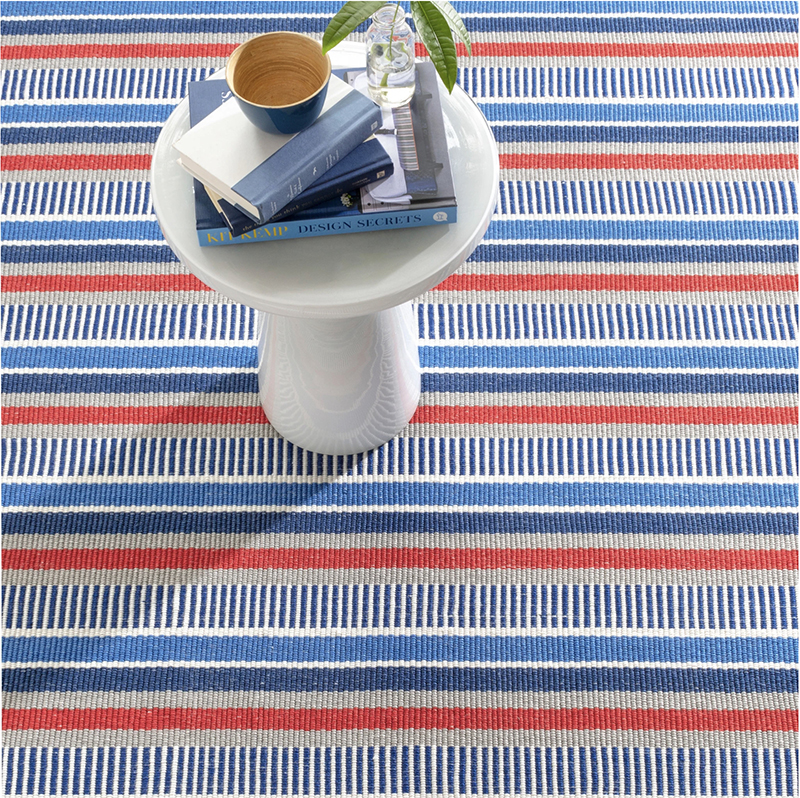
357 168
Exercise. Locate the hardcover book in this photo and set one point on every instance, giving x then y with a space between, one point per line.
367 163
420 192
260 173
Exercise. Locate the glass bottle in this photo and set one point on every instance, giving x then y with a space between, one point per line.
390 57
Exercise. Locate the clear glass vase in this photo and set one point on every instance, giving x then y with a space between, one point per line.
390 57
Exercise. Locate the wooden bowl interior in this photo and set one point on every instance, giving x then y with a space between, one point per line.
277 70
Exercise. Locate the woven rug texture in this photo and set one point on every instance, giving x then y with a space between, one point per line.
573 573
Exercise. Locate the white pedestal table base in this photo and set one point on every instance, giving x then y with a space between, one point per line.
339 386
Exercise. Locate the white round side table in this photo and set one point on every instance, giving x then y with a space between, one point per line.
338 348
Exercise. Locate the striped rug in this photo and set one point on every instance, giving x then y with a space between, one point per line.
572 574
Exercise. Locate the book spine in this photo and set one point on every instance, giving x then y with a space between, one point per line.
206 214
237 222
364 223
298 164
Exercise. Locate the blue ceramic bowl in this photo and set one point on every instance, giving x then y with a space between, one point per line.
280 80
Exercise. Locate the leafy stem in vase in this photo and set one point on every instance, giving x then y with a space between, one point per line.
385 78
435 20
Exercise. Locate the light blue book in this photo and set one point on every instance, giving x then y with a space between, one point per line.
260 173
340 215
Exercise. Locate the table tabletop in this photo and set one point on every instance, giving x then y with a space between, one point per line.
346 275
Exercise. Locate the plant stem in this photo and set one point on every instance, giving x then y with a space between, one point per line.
391 30
385 78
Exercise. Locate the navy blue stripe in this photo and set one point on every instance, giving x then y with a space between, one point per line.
612 7
83 253
484 25
85 135
639 24
348 680
652 135
131 26
370 523
612 383
503 133
421 648
462 383
130 383
547 253
632 253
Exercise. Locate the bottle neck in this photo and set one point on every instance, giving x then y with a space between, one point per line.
388 16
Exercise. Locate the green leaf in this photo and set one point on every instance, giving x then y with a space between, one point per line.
348 18
455 22
434 30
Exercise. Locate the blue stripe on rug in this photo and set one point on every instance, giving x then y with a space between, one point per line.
499 357
491 383
411 648
471 494
389 522
345 680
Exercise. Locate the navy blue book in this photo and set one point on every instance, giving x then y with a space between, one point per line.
367 163
260 173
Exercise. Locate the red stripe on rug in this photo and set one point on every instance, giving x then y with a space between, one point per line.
646 161
493 49
457 282
428 414
436 558
620 282
601 414
555 160
103 282
139 50
150 414
729 720
102 163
